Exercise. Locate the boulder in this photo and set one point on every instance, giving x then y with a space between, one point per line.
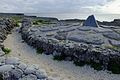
6 68
91 22
17 73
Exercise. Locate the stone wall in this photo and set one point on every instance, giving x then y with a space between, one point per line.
73 51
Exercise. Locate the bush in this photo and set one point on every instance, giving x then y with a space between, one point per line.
79 63
39 50
96 66
114 67
58 57
6 50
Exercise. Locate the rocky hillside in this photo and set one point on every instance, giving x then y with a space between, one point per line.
97 47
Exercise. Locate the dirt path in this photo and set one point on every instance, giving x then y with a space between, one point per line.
64 70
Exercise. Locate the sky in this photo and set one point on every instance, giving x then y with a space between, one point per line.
61 6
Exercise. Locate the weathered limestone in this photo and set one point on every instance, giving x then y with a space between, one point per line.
88 45
91 22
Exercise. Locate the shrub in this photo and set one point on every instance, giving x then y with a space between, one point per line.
114 67
6 50
96 66
17 24
40 50
58 57
79 63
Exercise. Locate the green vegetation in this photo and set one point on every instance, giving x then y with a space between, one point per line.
114 66
79 63
39 50
96 66
58 57
6 50
17 20
39 22
116 48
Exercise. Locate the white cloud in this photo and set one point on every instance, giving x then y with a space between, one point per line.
112 7
58 6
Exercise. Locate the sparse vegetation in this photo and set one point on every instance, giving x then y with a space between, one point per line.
58 57
17 20
39 50
39 22
116 48
6 50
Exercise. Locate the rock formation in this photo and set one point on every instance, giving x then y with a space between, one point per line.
90 21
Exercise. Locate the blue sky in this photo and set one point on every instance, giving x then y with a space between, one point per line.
61 6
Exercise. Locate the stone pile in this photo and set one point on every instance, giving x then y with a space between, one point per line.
12 68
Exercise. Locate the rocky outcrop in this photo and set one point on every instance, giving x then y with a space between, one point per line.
88 45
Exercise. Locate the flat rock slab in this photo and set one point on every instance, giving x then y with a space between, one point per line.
87 38
112 35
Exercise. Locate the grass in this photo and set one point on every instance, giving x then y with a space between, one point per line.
39 22
116 48
39 50
6 50
17 20
58 57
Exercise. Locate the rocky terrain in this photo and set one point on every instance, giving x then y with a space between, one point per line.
95 46
11 68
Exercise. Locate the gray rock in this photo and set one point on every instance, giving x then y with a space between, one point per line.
6 68
22 66
112 35
41 74
91 22
17 73
31 69
1 52
29 77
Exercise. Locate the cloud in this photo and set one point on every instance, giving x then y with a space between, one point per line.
54 6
